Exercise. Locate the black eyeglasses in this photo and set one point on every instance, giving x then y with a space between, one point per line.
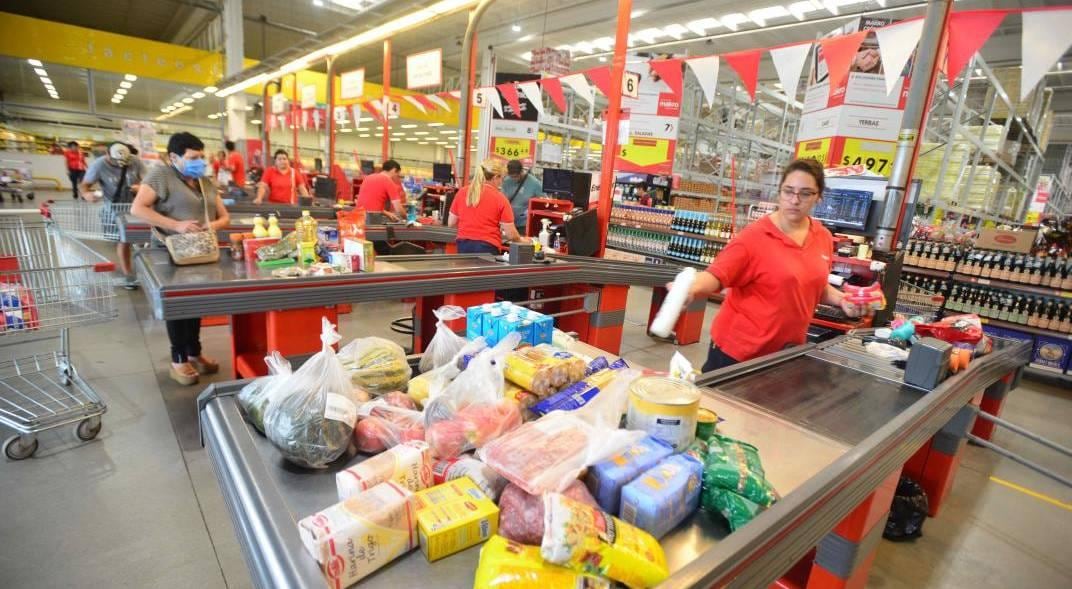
802 194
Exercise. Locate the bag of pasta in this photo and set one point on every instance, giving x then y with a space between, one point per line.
507 564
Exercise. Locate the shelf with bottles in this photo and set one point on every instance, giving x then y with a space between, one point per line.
706 226
1024 270
686 249
933 255
1039 314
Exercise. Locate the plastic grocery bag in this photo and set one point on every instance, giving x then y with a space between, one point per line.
445 343
508 565
255 396
376 365
313 423
735 466
422 385
381 426
548 454
907 512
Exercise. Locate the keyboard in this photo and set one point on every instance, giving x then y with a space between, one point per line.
831 313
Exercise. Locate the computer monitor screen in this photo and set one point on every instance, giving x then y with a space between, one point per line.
582 234
844 208
442 173
368 167
556 181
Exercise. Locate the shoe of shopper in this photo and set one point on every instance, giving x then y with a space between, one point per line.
130 283
205 365
184 374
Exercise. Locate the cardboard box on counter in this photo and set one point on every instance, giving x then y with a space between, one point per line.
363 250
1019 242
454 516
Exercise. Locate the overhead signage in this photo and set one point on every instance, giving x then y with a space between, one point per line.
279 103
352 84
425 69
308 96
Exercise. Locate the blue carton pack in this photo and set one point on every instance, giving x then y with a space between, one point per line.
474 322
663 496
605 479
543 329
527 329
507 325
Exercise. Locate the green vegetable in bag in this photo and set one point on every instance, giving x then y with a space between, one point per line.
287 247
376 365
735 466
737 510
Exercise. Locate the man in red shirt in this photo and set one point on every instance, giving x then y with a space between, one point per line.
279 182
235 165
76 165
379 190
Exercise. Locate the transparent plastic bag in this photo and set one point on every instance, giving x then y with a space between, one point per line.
422 386
445 343
312 423
382 425
376 365
255 396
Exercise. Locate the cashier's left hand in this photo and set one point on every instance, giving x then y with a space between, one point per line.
853 310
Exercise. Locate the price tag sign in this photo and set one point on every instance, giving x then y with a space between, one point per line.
876 156
646 152
480 99
513 149
631 84
818 150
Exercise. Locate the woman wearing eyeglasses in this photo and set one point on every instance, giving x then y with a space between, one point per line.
777 271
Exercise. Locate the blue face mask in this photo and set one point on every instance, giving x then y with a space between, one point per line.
190 168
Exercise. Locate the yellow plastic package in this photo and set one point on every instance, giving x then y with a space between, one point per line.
588 540
543 369
507 564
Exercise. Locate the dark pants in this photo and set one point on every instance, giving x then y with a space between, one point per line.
76 179
475 246
185 337
716 359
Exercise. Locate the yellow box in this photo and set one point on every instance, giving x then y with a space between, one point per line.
365 252
454 516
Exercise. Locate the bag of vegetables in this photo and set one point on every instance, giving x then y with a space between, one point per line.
313 423
377 365
255 397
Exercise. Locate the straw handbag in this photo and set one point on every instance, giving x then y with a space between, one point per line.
199 247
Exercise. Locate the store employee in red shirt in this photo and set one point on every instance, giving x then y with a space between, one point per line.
777 269
280 181
76 165
382 192
481 212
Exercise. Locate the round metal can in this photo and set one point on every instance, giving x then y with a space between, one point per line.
705 423
664 407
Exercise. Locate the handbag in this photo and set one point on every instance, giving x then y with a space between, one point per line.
199 247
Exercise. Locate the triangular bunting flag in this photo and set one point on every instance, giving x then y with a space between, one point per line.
509 92
1048 40
896 44
495 99
670 72
789 62
372 107
706 71
580 87
600 77
838 52
455 94
437 99
416 103
304 119
428 104
968 32
316 119
531 90
355 112
746 64
553 88
270 122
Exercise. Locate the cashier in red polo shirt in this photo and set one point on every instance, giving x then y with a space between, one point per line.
777 271
279 183
481 212
382 192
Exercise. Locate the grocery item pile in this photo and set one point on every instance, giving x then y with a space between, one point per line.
516 446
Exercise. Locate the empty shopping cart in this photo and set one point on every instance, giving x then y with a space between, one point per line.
49 283
97 221
914 301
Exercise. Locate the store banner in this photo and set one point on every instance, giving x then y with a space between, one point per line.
706 71
438 100
1049 38
600 78
650 124
966 34
425 69
531 90
896 43
416 103
352 84
669 70
789 63
746 64
839 52
279 103
513 131
553 88
308 96
428 104
513 102
580 87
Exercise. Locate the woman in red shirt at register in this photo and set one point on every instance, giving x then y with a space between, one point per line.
279 182
481 212
777 271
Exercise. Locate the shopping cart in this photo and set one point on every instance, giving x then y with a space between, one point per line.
16 180
95 221
913 301
49 282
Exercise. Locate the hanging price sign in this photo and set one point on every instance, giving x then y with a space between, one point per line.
876 156
513 149
818 150
652 156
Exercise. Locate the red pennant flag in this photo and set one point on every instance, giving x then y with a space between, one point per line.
553 88
746 64
431 106
372 110
839 52
670 72
600 77
509 92
968 32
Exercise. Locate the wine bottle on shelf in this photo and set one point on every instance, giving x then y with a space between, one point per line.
1033 309
1004 304
1035 276
1050 275
1066 318
1044 315
1066 275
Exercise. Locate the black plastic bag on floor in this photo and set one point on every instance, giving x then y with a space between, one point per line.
907 513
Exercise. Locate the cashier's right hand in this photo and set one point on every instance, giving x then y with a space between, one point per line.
187 227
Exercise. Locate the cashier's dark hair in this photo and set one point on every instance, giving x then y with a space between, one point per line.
280 151
810 167
180 142
391 165
229 145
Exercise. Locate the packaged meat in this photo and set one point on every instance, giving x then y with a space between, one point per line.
542 369
471 427
663 496
505 564
454 516
408 464
735 466
521 515
449 469
400 400
255 397
381 426
585 539
605 479
377 365
356 537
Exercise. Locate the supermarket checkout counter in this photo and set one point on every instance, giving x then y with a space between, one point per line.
833 428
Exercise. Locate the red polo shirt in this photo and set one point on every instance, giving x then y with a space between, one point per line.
377 190
281 185
481 223
775 284
238 168
76 160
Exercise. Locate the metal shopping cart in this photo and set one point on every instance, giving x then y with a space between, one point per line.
913 301
49 282
96 221
16 180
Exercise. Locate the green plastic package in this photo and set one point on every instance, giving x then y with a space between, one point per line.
737 510
735 466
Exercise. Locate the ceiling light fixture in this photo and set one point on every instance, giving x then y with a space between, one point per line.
198 95
429 124
41 72
604 43
515 28
526 38
637 12
799 9
35 62
116 100
409 126
130 77
177 104
120 90
255 121
210 89
125 84
762 15
734 20
187 100
365 135
675 30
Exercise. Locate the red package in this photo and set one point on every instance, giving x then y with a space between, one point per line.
955 329
521 514
472 427
386 427
351 224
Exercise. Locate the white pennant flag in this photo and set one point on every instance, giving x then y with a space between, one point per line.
706 71
456 93
789 62
896 44
495 99
1045 39
416 104
532 93
439 100
580 86
355 112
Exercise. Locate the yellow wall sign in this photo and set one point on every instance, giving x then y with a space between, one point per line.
513 149
816 149
645 152
876 156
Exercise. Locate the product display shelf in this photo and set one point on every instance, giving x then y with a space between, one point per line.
1017 286
1025 328
1058 378
666 257
926 271
664 231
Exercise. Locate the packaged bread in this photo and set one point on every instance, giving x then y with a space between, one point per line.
543 369
507 564
409 464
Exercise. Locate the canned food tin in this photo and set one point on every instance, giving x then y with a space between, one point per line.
705 423
664 407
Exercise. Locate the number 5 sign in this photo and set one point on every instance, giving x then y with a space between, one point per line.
631 84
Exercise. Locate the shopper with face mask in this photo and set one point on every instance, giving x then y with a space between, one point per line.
282 182
119 175
174 198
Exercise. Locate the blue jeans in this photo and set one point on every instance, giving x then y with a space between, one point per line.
475 246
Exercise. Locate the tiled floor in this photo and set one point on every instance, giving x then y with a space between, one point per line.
139 506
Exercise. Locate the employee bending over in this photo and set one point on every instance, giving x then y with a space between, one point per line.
382 192
777 269
481 212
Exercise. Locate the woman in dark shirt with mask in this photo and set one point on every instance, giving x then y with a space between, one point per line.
171 199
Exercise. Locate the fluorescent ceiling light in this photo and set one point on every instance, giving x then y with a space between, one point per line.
46 80
41 72
345 130
120 90
177 104
585 47
422 143
412 139
130 77
35 62
675 30
198 95
429 124
526 56
210 89
448 131
734 20
399 133
420 132
165 109
602 59
116 100
799 9
187 100
604 43
526 38
318 3
410 126
440 142
649 35
515 28
395 139
637 12
762 15
366 135
125 84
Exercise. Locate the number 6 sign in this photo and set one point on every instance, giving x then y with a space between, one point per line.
631 84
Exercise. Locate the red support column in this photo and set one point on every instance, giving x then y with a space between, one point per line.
290 332
331 115
992 402
610 126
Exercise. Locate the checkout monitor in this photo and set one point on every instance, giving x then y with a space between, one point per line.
557 181
442 173
844 209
